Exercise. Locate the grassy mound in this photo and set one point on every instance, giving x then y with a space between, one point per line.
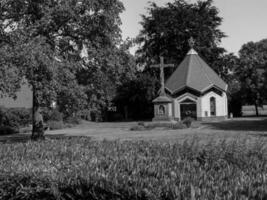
83 169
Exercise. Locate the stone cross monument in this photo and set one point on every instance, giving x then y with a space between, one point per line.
162 104
162 66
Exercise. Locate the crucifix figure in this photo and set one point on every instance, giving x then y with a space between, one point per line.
162 66
191 42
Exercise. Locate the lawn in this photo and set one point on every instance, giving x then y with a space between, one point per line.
79 168
245 128
240 128
219 160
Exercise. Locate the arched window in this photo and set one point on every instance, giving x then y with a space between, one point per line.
161 110
212 106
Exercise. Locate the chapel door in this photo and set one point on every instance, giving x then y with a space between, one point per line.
188 108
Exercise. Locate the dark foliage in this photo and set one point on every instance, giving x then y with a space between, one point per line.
55 115
68 51
251 73
235 105
15 117
167 29
73 120
134 98
55 125
188 121
7 130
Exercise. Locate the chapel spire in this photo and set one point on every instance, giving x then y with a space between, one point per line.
191 43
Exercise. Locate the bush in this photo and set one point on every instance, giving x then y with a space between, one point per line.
178 125
79 168
138 128
141 123
73 120
51 114
188 122
168 125
55 125
142 126
23 115
56 116
85 114
15 117
95 116
7 130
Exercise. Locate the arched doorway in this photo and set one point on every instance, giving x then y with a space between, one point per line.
188 108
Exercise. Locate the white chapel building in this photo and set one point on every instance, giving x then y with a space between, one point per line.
193 90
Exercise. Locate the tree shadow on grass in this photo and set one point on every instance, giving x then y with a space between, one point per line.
22 138
257 125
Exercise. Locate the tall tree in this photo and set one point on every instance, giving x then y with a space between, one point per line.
253 64
104 74
10 76
134 97
226 65
166 30
51 33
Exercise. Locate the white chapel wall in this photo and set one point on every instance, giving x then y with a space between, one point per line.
170 109
176 109
199 107
221 104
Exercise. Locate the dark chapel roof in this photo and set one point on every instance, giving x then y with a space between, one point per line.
195 74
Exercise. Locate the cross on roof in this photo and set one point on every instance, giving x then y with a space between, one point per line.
191 42
162 66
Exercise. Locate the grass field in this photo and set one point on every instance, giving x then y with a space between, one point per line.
240 128
219 160
80 168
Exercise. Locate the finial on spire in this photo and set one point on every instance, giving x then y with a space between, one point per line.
191 42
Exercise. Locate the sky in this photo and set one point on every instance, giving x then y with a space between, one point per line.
243 20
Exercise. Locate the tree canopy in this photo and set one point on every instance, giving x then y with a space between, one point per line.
166 31
54 42
251 72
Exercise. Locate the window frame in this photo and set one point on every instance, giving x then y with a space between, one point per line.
213 105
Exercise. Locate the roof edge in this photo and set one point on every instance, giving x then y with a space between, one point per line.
215 86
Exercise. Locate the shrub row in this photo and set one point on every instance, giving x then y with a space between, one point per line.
15 117
149 126
7 130
142 126
55 120
11 119
82 169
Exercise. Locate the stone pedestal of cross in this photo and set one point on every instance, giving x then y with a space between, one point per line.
162 66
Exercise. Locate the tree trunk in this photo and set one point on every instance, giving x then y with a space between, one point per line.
257 110
37 119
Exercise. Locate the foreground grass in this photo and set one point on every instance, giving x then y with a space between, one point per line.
78 168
